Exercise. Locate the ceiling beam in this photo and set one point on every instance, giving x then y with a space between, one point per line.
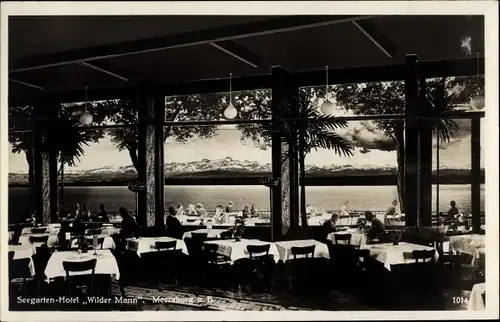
429 69
26 84
239 52
251 29
103 70
371 32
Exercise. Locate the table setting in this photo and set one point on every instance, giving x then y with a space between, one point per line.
391 254
106 263
141 245
235 250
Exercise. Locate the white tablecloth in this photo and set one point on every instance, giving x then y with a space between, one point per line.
211 233
147 244
111 231
479 252
108 243
106 263
51 241
390 254
467 243
357 238
476 302
285 248
238 249
54 228
24 251
27 230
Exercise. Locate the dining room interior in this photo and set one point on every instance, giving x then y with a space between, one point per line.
249 163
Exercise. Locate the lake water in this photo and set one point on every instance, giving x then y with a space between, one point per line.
326 198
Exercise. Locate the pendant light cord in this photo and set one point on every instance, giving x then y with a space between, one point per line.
326 86
230 88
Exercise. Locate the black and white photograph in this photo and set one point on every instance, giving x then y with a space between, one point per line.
249 158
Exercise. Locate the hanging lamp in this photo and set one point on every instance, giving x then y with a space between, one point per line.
230 112
86 118
327 107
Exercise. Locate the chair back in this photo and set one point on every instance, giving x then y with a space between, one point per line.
191 220
422 256
210 252
256 250
95 231
200 237
166 245
19 268
80 266
39 239
226 235
262 224
11 255
343 237
303 250
41 230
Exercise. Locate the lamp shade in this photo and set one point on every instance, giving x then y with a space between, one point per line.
86 118
327 108
477 102
230 112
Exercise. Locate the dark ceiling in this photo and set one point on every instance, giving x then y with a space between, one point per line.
46 53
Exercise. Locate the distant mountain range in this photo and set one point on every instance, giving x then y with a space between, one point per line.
219 168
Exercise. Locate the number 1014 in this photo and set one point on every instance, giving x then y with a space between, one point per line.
460 300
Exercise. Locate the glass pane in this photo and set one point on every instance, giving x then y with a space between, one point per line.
249 105
216 151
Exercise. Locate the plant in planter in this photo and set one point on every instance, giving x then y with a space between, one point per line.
238 229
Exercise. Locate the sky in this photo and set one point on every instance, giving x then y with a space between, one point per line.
370 149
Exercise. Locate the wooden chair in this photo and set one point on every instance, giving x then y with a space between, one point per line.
19 273
78 267
41 230
343 238
200 237
259 266
39 239
168 245
304 251
256 251
423 256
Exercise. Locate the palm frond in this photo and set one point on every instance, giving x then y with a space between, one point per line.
332 141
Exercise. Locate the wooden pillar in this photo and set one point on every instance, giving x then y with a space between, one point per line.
284 158
425 160
151 111
411 140
476 174
45 190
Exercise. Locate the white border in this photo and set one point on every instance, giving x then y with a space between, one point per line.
490 142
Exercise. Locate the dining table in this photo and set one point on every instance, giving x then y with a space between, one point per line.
211 233
141 245
476 300
467 243
235 250
106 263
358 237
285 248
389 254
24 251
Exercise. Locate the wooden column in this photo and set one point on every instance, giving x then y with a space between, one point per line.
284 158
476 174
151 111
411 140
45 190
425 160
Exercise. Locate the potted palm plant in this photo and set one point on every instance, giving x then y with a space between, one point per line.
238 229
301 124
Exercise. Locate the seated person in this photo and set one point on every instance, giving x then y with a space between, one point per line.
102 215
310 211
174 226
254 212
246 212
376 230
200 211
220 216
452 213
330 226
129 226
180 210
229 207
190 211
393 209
